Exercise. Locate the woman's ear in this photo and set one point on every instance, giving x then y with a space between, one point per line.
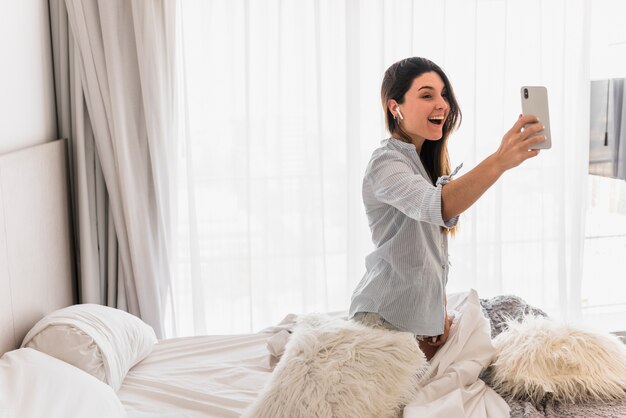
392 105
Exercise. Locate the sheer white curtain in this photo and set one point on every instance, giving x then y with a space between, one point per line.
525 236
283 111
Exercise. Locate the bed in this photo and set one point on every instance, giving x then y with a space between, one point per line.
204 376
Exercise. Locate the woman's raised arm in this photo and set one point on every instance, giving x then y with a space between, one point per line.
458 195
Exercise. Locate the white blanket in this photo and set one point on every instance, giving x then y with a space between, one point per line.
451 387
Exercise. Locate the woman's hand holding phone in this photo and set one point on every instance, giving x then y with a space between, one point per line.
518 143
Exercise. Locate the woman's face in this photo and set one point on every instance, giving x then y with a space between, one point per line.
425 108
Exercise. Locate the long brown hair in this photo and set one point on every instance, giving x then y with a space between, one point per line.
396 82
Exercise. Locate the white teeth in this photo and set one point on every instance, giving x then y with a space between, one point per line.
436 118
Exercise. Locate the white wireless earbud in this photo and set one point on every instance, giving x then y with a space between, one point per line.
399 114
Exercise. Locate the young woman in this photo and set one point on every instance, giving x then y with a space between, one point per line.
412 203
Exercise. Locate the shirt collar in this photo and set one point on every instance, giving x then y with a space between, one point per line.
408 149
401 144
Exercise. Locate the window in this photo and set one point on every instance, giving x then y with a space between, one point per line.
604 270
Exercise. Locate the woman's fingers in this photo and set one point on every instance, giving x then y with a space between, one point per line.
532 130
441 339
519 124
436 343
534 140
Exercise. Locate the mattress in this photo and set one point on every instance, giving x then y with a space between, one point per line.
204 376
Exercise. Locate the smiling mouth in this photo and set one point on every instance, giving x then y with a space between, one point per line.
437 120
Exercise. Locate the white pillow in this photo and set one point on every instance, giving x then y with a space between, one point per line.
35 385
104 342
538 357
338 368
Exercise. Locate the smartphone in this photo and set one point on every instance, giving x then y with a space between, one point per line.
535 102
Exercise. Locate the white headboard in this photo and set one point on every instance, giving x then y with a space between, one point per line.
36 251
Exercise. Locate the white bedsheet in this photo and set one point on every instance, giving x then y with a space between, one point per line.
220 376
451 387
208 376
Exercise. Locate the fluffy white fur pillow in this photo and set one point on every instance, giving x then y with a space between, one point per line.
104 342
537 357
339 368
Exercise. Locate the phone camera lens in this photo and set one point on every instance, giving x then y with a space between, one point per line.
525 93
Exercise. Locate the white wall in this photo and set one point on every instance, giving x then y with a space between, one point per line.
27 110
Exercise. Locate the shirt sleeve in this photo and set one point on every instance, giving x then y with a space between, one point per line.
394 182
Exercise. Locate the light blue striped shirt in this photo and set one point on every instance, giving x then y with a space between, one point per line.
408 271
